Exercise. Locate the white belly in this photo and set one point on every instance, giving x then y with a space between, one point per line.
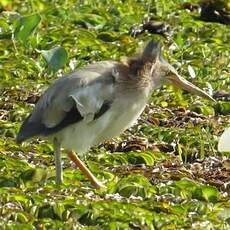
81 136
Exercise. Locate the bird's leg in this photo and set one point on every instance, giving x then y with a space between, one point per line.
84 169
58 165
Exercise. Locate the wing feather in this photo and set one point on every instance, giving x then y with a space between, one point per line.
82 95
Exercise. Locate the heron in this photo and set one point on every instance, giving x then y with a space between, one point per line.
98 102
224 143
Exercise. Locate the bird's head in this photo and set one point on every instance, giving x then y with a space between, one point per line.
150 64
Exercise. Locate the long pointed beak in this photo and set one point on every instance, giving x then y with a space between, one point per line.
175 79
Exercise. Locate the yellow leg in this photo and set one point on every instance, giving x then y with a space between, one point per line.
84 169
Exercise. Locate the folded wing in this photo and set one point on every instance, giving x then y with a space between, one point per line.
82 96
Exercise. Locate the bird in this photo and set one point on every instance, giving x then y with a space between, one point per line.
98 102
224 143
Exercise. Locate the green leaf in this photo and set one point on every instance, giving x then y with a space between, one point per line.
34 175
210 194
205 110
136 185
59 209
107 36
140 158
25 27
56 57
46 211
7 182
21 217
223 108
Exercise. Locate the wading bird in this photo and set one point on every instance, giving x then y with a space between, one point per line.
99 102
224 141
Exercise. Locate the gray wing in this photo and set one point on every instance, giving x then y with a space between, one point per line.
82 95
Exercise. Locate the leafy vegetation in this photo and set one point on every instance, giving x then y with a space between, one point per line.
163 173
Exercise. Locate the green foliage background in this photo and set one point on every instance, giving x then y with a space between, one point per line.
177 180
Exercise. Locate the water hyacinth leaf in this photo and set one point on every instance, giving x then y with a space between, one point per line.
90 20
46 211
59 209
185 185
34 175
20 198
21 218
204 109
225 214
223 107
210 194
107 36
27 175
140 158
7 182
4 25
135 185
5 36
25 27
55 58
